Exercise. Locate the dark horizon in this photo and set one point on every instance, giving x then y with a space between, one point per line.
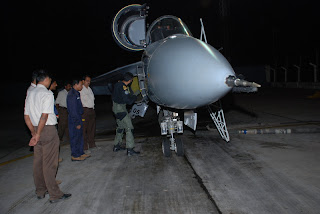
74 38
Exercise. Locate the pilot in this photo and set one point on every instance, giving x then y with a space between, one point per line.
157 33
168 31
122 96
75 124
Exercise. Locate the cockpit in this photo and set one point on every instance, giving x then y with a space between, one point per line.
164 27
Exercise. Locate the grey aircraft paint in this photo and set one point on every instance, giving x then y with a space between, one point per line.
180 71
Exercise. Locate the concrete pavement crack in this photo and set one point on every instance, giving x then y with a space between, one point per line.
200 181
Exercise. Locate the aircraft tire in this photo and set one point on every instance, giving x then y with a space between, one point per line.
166 148
179 145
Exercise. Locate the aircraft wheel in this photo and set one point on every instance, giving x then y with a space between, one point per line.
166 147
179 147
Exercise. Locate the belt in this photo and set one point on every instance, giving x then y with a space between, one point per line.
45 126
62 107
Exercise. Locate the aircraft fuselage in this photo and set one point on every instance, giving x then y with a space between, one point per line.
185 73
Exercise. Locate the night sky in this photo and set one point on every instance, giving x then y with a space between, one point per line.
74 37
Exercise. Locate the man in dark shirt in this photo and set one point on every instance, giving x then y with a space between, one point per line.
75 112
122 96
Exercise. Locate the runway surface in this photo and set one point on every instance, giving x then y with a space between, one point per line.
254 173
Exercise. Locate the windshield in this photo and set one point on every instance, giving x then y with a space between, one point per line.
166 26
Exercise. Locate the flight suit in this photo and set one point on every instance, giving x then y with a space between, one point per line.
75 111
122 96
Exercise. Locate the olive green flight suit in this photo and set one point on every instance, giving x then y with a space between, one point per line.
123 124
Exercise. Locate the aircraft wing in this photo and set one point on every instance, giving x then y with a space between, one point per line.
103 84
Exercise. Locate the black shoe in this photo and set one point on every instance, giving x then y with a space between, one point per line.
65 196
131 152
42 196
118 148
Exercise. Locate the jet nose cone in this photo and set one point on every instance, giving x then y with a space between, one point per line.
186 73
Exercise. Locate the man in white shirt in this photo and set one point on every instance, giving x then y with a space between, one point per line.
33 84
41 120
61 103
53 87
89 115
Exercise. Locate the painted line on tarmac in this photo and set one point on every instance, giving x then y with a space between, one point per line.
16 159
62 144
23 157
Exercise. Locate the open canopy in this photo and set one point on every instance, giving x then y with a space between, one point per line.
129 27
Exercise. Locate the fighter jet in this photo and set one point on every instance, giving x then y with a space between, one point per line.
177 72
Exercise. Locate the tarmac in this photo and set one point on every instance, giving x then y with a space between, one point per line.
256 172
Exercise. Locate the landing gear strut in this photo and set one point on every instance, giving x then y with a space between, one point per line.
170 126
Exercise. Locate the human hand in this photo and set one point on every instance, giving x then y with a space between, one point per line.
34 140
78 127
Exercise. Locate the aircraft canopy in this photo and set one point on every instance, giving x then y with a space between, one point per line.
164 27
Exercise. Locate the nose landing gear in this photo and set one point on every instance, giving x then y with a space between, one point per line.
168 146
171 125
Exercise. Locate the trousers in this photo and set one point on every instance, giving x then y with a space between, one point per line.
76 139
123 125
63 123
89 127
45 163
